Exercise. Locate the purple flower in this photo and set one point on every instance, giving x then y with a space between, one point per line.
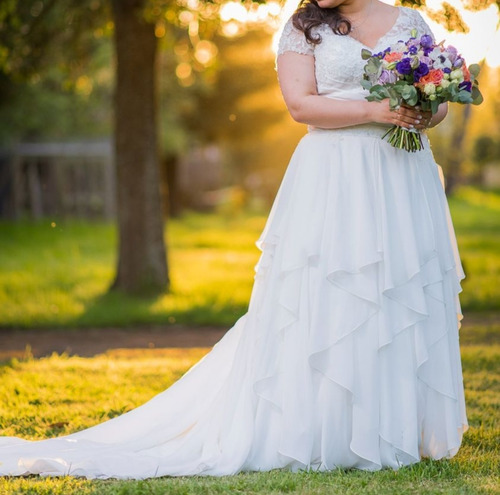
446 70
404 66
412 50
458 62
426 41
387 77
467 85
420 71
426 60
452 53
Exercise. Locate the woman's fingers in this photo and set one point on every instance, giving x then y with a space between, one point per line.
411 118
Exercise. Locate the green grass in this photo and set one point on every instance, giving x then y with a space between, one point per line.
57 395
58 275
476 217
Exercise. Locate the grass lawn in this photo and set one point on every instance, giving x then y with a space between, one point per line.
56 274
44 397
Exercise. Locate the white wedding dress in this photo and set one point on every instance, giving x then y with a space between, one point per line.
349 353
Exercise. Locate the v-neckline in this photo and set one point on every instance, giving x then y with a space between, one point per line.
394 24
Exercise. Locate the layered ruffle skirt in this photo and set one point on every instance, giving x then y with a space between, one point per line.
348 355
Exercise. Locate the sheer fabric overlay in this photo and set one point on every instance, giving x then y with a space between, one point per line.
348 355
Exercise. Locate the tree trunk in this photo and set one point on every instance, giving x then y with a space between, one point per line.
142 261
171 185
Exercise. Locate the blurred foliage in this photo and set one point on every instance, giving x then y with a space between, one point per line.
55 76
486 150
37 35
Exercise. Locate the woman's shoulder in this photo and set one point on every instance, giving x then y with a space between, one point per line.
292 39
412 18
411 14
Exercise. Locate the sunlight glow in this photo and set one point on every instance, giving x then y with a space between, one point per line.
255 12
233 11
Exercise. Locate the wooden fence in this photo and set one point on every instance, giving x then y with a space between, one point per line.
58 179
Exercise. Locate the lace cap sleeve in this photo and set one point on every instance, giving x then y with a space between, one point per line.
293 40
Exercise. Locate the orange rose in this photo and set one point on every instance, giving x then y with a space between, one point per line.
393 57
435 76
466 72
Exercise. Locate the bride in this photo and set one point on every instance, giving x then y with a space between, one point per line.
348 355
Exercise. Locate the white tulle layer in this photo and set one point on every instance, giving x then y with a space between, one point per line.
348 355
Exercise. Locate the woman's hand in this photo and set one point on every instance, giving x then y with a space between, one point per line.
404 116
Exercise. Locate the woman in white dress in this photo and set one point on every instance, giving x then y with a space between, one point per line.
348 355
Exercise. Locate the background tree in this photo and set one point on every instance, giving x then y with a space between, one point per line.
142 265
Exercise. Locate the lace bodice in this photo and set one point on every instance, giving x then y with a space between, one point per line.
338 62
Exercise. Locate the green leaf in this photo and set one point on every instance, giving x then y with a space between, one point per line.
410 95
365 54
425 105
373 66
464 97
434 106
375 97
474 70
477 97
366 84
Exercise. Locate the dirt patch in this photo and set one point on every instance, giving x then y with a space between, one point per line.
89 342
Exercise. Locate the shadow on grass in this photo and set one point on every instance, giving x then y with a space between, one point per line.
115 308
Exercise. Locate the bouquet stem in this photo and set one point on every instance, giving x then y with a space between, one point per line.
404 139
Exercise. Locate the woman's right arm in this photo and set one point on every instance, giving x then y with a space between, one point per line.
298 85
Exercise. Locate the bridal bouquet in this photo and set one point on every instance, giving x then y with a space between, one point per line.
418 72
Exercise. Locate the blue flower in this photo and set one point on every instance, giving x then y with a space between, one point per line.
404 66
467 85
426 41
421 71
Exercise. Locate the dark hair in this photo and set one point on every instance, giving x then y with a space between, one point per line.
310 15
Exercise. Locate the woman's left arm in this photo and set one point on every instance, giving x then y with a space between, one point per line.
439 116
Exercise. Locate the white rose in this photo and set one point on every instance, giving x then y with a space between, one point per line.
457 75
429 89
445 83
